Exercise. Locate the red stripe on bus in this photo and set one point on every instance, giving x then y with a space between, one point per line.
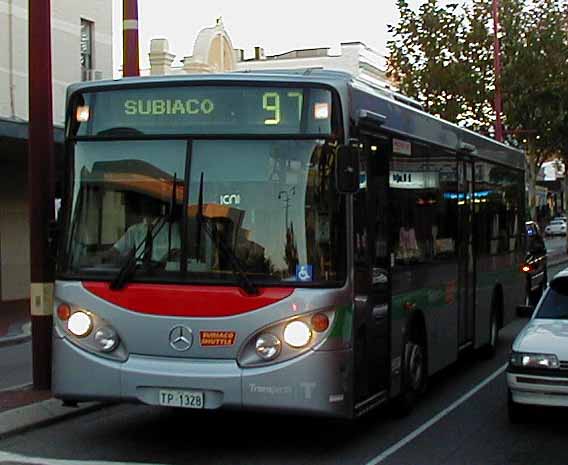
186 300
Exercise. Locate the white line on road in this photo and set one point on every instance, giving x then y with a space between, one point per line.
418 431
22 459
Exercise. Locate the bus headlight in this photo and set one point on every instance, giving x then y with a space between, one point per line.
80 324
297 334
106 339
89 331
268 346
286 339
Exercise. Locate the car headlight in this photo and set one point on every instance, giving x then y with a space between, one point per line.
531 360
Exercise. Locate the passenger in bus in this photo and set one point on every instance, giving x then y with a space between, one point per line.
407 243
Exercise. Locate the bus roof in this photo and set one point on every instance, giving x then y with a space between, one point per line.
402 115
314 75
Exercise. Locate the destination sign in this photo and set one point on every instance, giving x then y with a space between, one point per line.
204 110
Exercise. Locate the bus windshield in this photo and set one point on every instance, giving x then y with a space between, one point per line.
272 203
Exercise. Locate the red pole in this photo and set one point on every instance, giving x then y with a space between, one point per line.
497 65
130 53
40 188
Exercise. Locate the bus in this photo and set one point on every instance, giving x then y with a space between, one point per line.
295 241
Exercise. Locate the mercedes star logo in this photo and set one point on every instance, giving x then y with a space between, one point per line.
181 338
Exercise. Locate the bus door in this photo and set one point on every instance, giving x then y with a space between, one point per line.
372 273
466 261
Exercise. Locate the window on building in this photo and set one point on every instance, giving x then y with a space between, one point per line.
86 49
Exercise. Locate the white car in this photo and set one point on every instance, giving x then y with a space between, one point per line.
555 227
538 366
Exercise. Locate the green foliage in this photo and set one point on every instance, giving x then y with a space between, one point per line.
535 73
442 55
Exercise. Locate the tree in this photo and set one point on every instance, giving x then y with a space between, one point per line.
440 56
535 71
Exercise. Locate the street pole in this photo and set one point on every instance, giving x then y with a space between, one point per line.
497 66
130 53
40 188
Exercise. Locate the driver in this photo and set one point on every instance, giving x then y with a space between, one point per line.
166 237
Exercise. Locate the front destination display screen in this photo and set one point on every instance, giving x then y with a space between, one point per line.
203 110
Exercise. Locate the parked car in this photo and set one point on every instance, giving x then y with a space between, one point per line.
556 227
538 366
535 264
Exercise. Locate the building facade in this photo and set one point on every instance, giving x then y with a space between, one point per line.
81 50
213 51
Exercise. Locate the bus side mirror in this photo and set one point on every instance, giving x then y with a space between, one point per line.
347 169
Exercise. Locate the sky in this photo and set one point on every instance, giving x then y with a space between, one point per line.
277 26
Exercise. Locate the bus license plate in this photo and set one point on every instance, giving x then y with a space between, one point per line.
185 399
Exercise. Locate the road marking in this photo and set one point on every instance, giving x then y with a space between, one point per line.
6 457
417 432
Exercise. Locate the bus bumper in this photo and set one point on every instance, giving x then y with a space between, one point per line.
316 383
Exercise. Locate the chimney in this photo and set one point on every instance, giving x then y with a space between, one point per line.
239 55
259 53
160 57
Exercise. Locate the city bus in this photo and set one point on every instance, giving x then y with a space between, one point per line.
288 241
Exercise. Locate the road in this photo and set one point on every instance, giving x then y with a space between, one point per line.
555 245
461 420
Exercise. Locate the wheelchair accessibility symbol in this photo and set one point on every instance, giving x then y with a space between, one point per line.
304 272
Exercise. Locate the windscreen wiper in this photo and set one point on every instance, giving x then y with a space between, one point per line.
129 265
172 215
244 282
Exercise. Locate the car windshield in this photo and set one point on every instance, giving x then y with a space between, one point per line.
555 304
272 203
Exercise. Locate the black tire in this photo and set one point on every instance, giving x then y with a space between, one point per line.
488 350
414 377
517 412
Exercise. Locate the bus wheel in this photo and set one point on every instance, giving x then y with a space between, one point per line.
414 377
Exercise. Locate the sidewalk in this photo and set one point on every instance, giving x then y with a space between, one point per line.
557 258
25 408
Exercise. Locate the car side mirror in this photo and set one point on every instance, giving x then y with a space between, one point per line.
347 169
525 311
